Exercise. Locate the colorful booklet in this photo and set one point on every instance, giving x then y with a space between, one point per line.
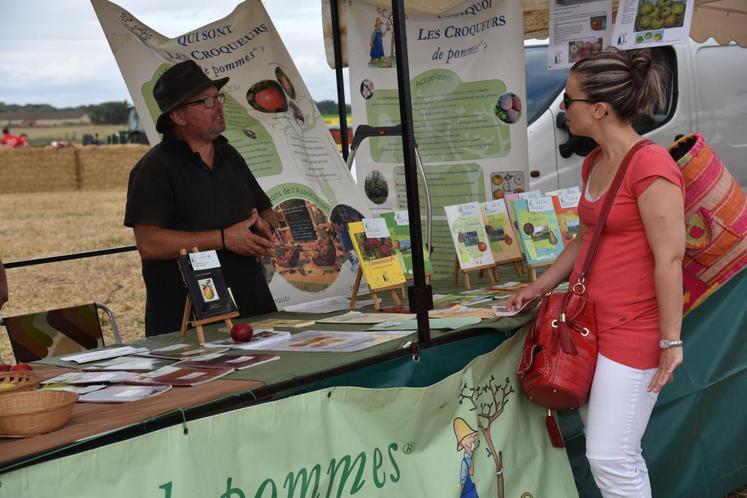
503 241
230 361
469 236
375 251
566 209
129 363
539 230
207 289
398 224
181 376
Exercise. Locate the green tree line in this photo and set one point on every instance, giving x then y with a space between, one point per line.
116 112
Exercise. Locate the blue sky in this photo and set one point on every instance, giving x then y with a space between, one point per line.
54 51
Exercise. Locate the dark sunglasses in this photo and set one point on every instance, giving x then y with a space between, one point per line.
208 102
567 100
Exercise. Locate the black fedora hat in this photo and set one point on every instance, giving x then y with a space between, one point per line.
177 85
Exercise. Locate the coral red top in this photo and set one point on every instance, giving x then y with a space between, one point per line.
621 277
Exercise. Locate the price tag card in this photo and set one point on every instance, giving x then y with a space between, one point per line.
539 204
204 260
375 228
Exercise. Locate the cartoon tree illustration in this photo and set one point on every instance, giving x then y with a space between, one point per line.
489 400
388 17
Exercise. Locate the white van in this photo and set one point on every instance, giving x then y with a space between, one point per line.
707 94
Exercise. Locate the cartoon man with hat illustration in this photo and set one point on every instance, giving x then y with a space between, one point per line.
467 441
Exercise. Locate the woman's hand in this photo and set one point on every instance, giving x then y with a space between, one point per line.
522 296
669 360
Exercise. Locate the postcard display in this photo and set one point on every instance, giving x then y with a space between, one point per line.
272 120
468 106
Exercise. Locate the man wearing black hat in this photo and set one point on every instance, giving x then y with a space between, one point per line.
194 189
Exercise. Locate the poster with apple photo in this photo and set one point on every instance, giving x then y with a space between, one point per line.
652 23
578 28
273 122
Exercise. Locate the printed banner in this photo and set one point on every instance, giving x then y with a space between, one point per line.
272 120
468 99
471 434
652 23
577 30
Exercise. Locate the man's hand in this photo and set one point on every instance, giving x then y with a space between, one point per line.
261 226
240 239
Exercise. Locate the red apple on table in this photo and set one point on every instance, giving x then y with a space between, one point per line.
242 332
19 367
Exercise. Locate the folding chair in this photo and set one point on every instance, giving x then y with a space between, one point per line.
58 332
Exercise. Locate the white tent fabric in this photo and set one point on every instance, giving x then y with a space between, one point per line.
724 20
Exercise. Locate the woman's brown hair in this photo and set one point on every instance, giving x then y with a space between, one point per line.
631 81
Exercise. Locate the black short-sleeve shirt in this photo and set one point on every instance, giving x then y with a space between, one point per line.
171 187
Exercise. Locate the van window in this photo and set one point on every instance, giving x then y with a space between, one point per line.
644 124
543 85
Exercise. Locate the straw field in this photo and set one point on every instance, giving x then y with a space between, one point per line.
57 201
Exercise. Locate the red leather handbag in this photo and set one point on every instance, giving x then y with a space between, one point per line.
560 352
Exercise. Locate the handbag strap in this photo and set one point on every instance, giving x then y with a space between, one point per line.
607 207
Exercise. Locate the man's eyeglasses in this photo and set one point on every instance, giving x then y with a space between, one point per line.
209 102
567 100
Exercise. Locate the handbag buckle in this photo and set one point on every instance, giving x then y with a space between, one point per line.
579 288
585 332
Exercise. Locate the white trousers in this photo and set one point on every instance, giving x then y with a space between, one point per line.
614 421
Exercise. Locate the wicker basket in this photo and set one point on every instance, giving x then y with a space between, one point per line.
22 380
37 412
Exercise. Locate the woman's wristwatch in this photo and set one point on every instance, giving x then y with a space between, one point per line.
667 344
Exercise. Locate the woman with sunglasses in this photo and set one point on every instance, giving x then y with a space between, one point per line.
636 275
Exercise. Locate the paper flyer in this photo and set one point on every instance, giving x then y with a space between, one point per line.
319 341
272 120
539 230
503 240
652 23
468 235
469 116
578 28
376 257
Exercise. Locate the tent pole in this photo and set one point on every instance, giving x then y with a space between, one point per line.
420 294
340 82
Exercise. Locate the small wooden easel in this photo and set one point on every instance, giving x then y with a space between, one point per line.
392 289
489 269
533 270
518 266
197 324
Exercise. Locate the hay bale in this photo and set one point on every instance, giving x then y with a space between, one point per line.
37 170
108 167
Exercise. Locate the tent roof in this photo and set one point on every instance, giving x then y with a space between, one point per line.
724 20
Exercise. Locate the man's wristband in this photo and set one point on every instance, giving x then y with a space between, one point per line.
222 240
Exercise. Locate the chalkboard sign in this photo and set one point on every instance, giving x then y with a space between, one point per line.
299 220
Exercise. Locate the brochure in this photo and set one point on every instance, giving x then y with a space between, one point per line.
468 234
227 361
207 289
322 341
358 318
577 30
652 23
375 252
451 323
538 229
73 389
182 376
129 363
501 236
501 310
102 354
398 223
282 323
260 340
82 378
326 305
122 394
182 351
566 209
462 311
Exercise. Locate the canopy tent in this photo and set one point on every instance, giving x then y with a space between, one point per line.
722 20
